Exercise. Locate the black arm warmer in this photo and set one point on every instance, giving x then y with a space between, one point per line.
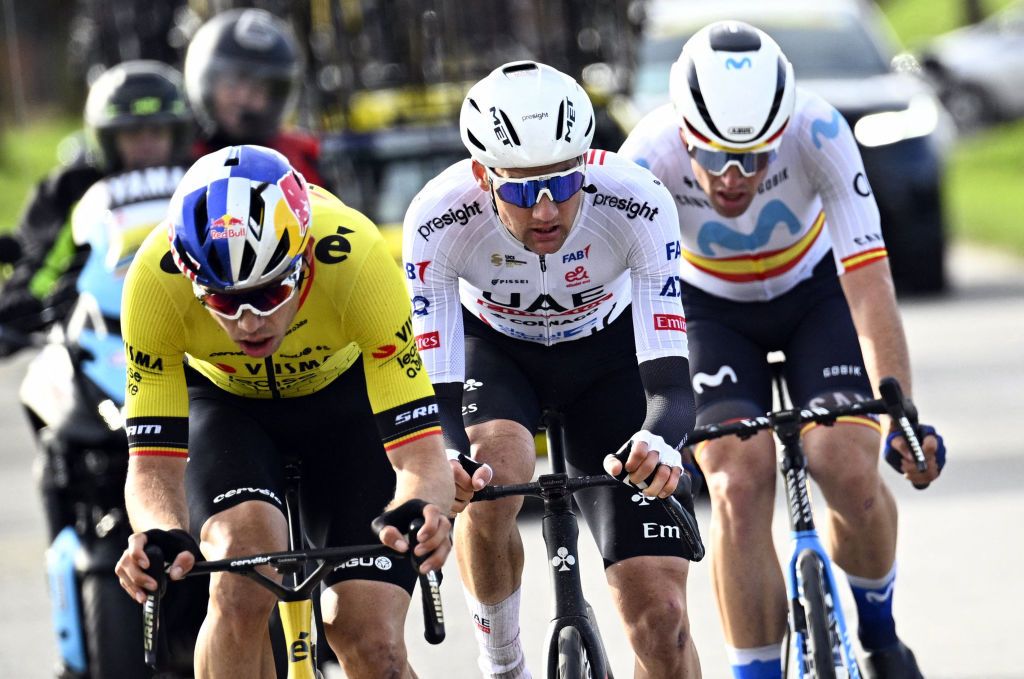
449 409
670 407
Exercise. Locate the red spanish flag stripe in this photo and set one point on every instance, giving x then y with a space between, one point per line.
415 436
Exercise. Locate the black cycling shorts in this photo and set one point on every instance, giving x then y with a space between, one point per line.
594 384
238 447
810 324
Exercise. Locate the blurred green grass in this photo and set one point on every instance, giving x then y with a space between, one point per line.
916 21
27 154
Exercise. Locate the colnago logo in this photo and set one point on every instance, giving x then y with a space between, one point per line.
248 490
669 322
632 208
143 429
416 413
460 216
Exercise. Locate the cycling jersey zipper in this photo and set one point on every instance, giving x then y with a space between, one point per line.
272 378
544 292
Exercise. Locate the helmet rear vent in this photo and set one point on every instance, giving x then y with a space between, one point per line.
279 254
476 142
201 218
519 68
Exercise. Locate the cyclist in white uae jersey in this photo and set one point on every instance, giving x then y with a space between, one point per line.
768 181
544 276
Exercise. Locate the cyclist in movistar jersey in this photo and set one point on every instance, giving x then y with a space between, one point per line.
542 272
773 203
268 321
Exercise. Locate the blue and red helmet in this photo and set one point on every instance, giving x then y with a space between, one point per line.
239 219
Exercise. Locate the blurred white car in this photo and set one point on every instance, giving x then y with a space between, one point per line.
845 51
979 69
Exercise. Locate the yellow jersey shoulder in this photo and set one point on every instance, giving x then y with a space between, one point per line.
340 233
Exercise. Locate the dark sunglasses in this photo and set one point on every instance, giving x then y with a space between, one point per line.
526 192
261 301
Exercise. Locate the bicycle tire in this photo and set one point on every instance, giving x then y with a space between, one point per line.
818 614
572 655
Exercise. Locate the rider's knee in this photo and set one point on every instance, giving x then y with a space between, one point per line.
662 625
377 649
241 601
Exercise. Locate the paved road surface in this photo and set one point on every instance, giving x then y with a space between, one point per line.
959 588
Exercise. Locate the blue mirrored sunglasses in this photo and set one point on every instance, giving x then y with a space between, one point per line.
717 162
526 191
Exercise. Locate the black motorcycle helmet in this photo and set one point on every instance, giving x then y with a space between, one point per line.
246 43
133 94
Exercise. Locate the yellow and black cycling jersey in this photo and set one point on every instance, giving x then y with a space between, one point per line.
352 303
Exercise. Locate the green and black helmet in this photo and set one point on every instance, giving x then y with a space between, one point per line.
133 94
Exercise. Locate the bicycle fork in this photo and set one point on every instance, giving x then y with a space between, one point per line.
807 545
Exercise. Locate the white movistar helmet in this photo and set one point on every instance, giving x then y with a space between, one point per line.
733 88
526 114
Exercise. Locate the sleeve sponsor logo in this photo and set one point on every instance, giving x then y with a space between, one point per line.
144 361
869 239
416 271
498 259
673 250
669 322
632 208
429 340
417 413
861 186
460 216
420 305
673 287
773 181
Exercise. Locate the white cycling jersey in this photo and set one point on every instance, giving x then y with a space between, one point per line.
624 247
814 197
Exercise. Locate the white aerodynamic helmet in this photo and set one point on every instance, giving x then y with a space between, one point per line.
733 88
526 114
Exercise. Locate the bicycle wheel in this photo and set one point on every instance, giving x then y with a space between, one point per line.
572 655
822 642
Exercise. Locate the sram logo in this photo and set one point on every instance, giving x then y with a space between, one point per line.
143 429
416 413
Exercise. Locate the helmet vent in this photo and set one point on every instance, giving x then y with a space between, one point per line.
201 219
248 262
233 156
257 209
279 254
590 126
561 119
475 105
217 266
476 142
732 37
698 100
519 68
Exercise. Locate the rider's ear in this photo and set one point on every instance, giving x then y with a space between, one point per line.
480 175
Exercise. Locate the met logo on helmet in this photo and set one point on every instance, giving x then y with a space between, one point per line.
500 130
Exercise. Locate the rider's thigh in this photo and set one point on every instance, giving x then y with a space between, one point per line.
365 620
505 445
843 458
650 593
740 473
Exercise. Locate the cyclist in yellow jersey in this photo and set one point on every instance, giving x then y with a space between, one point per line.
287 335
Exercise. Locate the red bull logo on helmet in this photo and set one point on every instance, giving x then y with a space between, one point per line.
227 227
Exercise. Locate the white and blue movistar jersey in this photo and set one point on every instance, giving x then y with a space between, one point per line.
623 248
814 198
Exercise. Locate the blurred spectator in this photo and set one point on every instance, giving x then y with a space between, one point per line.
242 75
135 117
